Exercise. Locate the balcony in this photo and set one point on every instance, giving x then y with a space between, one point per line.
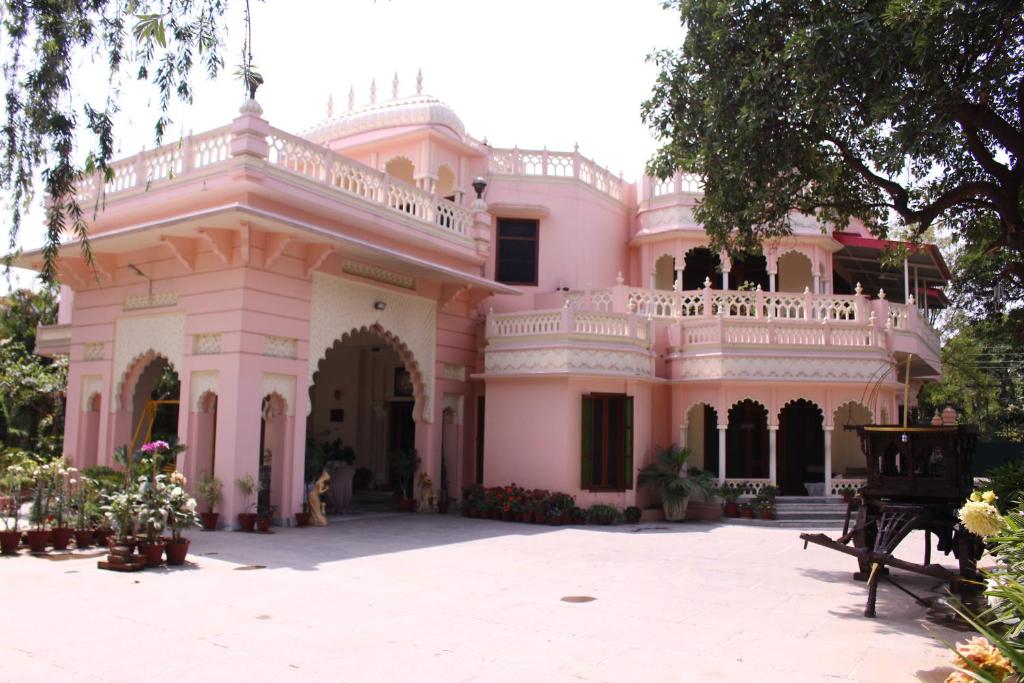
347 179
541 162
53 340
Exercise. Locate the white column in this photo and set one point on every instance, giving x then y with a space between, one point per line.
828 461
679 277
725 280
817 282
773 470
683 436
771 282
721 453
653 279
906 280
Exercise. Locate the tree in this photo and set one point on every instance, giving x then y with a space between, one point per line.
163 41
903 114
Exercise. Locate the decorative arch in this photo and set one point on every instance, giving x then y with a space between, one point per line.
445 181
664 271
847 458
409 323
706 404
140 336
801 400
800 460
201 385
700 263
702 435
847 409
795 271
746 440
130 377
402 168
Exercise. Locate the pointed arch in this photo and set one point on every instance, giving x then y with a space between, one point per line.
701 423
848 459
746 440
402 168
795 271
801 448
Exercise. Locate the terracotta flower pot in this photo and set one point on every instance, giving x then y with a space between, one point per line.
263 524
527 516
83 538
732 510
62 538
302 519
246 521
38 539
176 552
406 505
746 513
101 536
506 515
767 514
153 552
9 542
209 520
675 511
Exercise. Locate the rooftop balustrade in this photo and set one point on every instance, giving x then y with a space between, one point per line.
541 162
571 322
195 154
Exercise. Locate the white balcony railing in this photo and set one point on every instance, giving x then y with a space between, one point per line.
285 151
541 162
570 321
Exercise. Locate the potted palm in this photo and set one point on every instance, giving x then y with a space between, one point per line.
246 486
403 464
210 490
669 475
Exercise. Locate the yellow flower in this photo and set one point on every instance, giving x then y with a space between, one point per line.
976 497
981 519
989 496
983 655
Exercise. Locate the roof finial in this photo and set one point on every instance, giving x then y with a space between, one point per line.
330 105
351 98
419 81
394 87
373 91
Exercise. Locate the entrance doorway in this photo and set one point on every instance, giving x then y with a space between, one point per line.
155 403
363 402
801 448
746 441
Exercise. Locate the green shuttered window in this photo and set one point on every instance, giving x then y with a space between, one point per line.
606 461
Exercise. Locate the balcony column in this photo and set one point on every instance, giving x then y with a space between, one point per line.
773 463
721 453
828 460
684 436
771 280
679 278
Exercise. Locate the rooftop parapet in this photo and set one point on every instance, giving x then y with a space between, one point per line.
545 163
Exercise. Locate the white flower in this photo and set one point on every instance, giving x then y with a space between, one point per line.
980 518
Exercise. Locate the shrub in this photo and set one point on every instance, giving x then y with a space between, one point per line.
632 514
603 514
1008 483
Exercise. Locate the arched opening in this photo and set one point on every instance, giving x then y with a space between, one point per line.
664 272
702 437
273 444
446 183
402 169
153 398
801 449
848 461
795 272
202 447
748 272
700 264
89 434
746 441
363 402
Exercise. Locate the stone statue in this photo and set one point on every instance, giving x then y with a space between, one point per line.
426 493
316 506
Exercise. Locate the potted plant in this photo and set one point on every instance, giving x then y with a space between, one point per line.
746 511
577 515
210 490
403 463
730 493
154 501
603 514
246 486
559 507
265 520
61 507
181 514
39 518
632 514
668 474
15 477
764 501
83 496
848 493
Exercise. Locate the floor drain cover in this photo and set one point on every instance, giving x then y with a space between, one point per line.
578 598
249 567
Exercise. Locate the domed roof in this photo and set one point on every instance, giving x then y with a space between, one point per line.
413 110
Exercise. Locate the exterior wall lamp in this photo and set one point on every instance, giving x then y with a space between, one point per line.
479 184
380 305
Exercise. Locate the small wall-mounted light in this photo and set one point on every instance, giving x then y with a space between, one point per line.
380 305
479 184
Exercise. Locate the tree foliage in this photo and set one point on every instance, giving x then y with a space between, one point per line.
900 113
41 44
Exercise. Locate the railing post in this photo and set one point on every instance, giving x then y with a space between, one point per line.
576 161
186 154
720 326
872 331
631 319
517 162
140 169
826 331
249 132
620 295
385 190
759 302
544 156
771 328
492 325
706 297
859 301
566 324
808 304
911 314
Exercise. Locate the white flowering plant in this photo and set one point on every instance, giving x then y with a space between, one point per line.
181 507
17 473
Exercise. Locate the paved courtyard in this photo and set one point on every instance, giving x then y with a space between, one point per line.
425 598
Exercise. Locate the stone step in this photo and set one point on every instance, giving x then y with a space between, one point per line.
786 523
811 507
810 516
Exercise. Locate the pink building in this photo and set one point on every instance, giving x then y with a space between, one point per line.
551 328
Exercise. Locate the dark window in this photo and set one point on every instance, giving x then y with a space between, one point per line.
516 255
607 440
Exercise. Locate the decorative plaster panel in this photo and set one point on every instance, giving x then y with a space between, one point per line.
670 217
163 335
201 382
454 403
340 307
205 343
796 368
569 360
94 351
283 386
379 274
453 372
91 384
157 300
280 347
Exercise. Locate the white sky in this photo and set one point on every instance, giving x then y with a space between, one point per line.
528 73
